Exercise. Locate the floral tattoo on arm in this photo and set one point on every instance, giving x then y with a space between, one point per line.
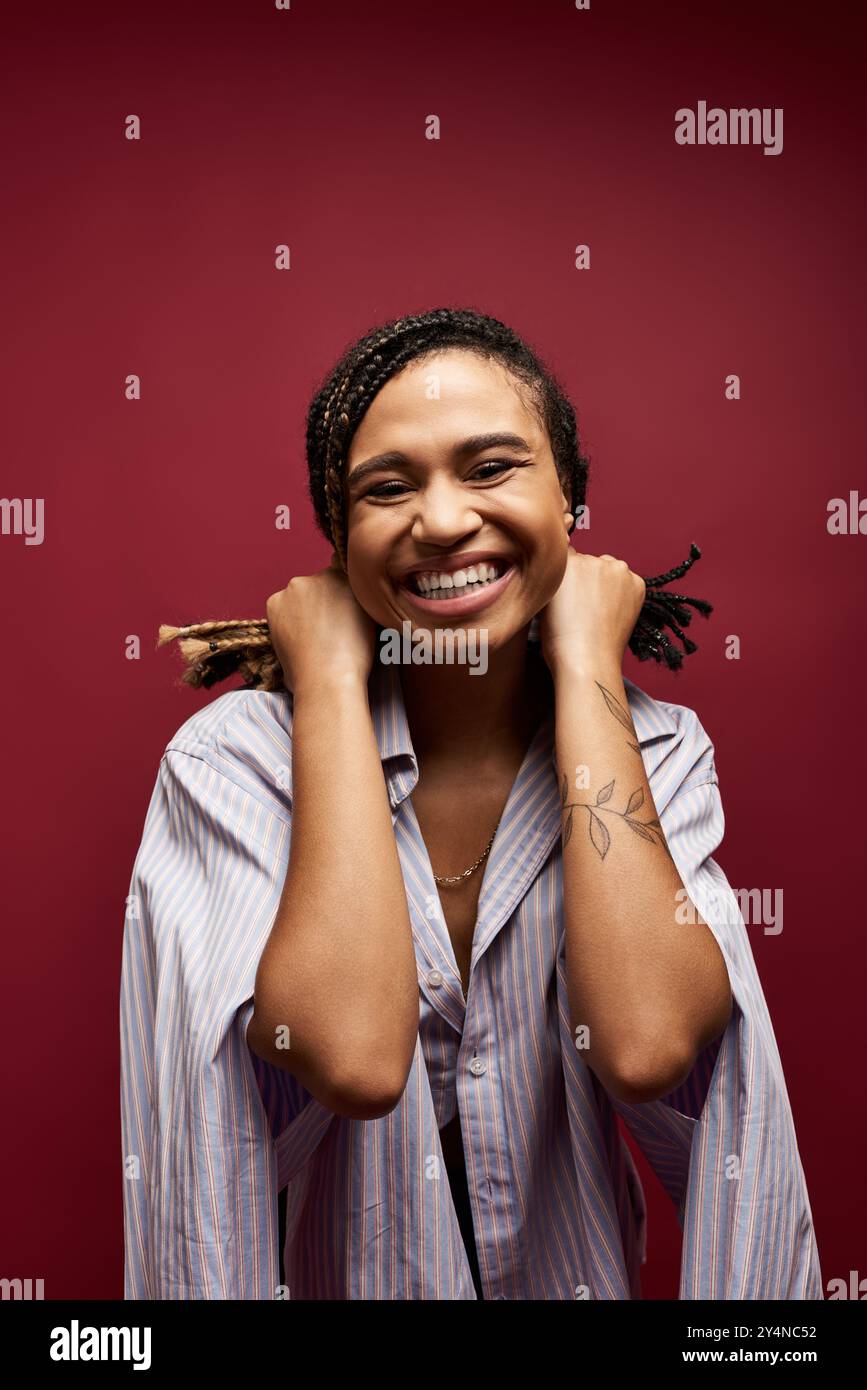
621 715
599 833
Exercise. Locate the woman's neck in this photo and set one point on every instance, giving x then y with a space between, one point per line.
454 715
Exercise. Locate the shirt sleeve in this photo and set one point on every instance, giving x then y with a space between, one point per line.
209 1131
723 1144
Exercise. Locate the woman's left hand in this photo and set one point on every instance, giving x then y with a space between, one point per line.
591 617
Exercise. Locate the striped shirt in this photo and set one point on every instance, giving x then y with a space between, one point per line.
211 1132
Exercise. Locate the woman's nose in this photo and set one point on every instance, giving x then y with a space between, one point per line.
443 514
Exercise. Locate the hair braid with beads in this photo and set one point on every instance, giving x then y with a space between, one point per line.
214 650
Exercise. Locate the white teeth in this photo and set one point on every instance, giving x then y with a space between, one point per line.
438 584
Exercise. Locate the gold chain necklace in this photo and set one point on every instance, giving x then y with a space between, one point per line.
456 878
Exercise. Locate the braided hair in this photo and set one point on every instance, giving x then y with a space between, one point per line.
213 650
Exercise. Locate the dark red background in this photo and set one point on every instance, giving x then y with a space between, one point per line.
157 257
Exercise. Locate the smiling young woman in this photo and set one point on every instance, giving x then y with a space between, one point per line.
408 940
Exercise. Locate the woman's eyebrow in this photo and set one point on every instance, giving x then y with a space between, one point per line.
383 463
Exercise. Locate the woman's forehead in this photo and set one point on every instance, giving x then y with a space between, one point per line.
441 401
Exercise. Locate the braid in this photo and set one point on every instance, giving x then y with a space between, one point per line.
240 646
666 610
213 650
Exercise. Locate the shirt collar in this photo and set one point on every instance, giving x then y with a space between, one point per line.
392 731
652 720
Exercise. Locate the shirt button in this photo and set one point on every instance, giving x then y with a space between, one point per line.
477 1067
435 979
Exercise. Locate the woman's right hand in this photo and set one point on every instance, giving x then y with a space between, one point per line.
318 628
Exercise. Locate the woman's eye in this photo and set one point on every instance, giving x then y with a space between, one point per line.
496 463
380 491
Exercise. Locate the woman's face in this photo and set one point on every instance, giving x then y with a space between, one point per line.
442 499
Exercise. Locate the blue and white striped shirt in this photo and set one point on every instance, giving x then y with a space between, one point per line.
211 1133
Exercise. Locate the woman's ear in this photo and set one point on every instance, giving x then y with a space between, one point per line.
567 513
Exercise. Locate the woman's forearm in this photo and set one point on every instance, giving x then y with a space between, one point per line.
646 991
338 973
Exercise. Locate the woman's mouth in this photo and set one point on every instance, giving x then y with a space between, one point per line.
458 592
